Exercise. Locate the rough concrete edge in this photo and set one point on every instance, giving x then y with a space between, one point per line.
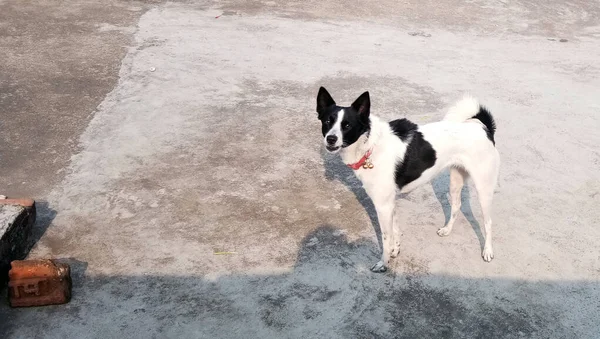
23 224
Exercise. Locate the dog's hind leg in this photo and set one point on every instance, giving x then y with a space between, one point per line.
485 180
457 180
485 199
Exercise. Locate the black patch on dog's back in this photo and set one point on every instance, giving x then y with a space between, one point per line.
488 121
402 128
419 155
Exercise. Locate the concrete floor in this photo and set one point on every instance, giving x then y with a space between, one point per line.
156 134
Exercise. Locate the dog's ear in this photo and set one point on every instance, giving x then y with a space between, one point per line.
363 105
324 100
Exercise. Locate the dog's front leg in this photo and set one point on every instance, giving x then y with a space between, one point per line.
385 214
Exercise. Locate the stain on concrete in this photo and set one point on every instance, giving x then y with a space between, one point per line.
419 311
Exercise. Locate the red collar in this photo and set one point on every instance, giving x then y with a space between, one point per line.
361 162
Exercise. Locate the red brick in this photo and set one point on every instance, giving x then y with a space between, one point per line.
38 283
25 202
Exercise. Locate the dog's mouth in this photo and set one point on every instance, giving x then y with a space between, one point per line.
332 149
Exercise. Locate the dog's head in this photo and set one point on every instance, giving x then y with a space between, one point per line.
342 126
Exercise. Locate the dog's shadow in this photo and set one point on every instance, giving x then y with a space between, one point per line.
441 186
335 169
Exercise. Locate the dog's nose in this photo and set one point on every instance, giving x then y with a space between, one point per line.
331 139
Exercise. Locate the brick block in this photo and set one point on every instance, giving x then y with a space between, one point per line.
38 283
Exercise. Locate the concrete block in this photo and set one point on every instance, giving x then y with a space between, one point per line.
17 217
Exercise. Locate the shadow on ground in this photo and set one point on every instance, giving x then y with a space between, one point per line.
329 293
440 185
335 169
44 217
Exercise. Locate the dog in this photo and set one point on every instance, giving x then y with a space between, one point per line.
400 156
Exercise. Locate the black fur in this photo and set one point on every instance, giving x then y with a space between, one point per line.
403 128
356 117
488 120
324 102
419 155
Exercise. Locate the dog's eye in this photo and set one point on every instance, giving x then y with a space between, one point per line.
346 126
330 121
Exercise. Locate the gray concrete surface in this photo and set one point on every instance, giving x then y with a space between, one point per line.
58 59
218 149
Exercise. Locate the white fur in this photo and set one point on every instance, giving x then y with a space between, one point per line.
463 109
460 143
336 130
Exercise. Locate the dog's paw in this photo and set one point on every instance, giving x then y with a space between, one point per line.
444 231
487 254
379 267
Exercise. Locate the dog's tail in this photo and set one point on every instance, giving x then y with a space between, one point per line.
469 108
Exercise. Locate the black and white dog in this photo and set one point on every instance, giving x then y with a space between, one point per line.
400 155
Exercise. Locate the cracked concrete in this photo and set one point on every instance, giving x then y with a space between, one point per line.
209 142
